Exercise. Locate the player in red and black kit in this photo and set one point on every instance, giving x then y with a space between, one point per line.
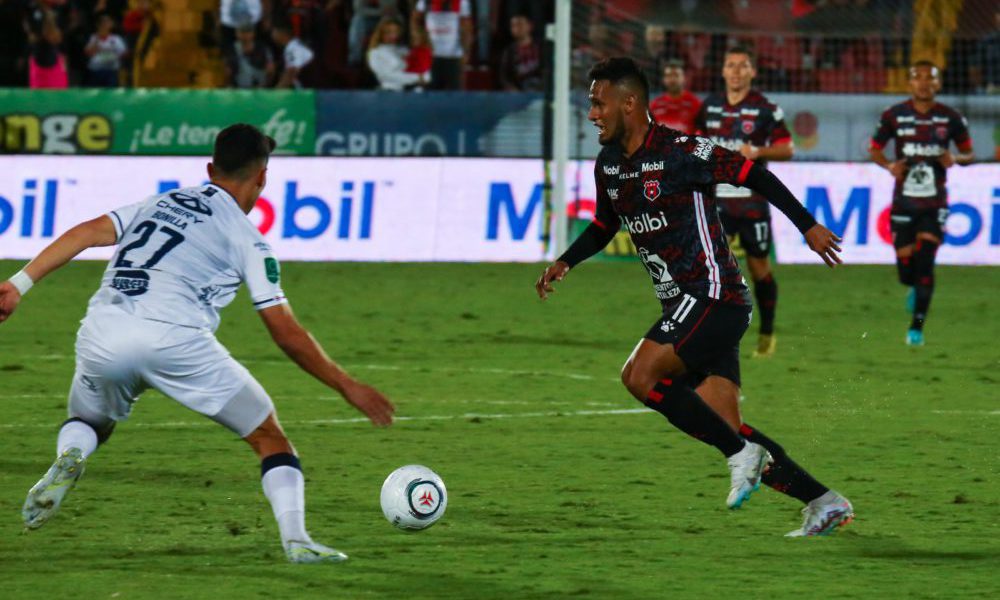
744 121
923 130
656 182
677 107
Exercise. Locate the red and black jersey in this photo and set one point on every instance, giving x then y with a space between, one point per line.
662 196
755 120
677 113
921 138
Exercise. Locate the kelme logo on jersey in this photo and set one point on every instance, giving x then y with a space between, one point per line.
271 269
644 223
651 189
131 283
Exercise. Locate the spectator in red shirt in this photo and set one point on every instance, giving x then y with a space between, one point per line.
421 56
521 63
677 107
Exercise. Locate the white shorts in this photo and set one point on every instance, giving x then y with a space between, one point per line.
118 356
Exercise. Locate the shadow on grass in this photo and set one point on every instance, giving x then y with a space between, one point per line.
894 549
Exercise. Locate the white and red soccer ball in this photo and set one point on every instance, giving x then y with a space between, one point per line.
413 497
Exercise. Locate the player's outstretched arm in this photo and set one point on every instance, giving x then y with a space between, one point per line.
821 240
593 239
306 352
96 232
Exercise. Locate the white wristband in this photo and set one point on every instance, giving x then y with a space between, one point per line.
22 282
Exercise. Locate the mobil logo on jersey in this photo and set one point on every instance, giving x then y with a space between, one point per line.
29 210
293 209
854 201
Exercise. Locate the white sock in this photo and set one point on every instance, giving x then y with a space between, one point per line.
76 435
285 488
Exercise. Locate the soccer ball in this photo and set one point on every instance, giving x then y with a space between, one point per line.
413 497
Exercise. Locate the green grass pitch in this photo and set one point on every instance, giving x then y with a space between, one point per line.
557 488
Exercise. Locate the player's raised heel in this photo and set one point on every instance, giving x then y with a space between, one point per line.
766 345
311 552
45 496
824 515
746 467
914 337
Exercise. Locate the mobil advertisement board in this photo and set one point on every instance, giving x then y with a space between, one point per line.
451 209
312 208
853 200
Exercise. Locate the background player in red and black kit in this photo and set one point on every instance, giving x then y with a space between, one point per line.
654 181
744 121
923 130
677 107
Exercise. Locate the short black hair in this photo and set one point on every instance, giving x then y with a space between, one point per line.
621 70
741 49
239 148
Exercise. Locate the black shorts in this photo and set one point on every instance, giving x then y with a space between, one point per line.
906 226
705 334
754 234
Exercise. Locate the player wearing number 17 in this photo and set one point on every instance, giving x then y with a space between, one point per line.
923 129
181 257
656 182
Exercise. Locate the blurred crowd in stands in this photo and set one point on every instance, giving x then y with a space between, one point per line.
484 44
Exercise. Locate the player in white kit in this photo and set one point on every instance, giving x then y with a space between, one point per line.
181 257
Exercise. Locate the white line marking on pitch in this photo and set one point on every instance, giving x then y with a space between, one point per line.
966 412
384 367
526 415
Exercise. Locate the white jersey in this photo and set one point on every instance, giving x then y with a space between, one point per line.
182 256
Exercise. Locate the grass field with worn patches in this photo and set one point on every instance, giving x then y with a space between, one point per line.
557 488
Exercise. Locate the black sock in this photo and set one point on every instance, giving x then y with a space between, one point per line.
686 411
904 268
923 281
784 475
766 292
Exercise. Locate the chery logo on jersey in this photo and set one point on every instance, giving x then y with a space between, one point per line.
644 223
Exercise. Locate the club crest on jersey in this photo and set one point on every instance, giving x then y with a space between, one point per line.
747 127
651 189
942 133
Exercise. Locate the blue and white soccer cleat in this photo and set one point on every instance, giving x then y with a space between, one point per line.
45 496
914 337
311 552
911 300
745 468
824 515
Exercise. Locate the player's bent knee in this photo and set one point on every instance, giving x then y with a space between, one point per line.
269 438
637 382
